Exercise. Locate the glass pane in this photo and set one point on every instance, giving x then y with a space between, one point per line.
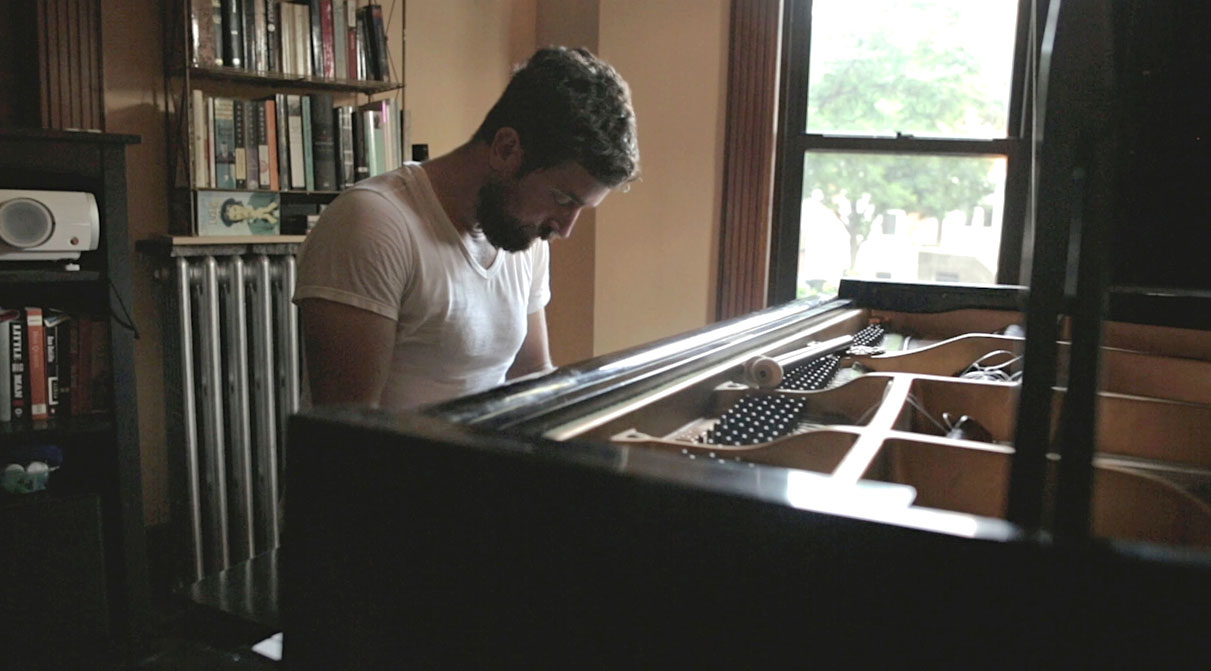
929 68
906 217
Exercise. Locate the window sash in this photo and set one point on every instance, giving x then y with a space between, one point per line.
794 142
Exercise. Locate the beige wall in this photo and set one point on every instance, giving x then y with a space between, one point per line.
571 23
657 244
459 54
132 43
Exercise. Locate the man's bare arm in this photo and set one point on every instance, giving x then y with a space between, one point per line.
348 352
534 355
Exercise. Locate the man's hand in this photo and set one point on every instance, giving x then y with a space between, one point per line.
348 352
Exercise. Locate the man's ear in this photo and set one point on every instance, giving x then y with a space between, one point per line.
506 152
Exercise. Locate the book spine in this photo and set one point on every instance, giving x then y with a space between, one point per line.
201 27
347 174
378 35
351 33
66 339
273 42
298 177
340 35
216 31
316 36
283 129
17 372
201 156
210 141
55 326
261 130
270 115
308 147
361 165
289 62
233 34
239 144
6 367
252 145
380 143
383 107
363 46
35 339
374 141
248 16
302 37
260 35
328 40
224 150
323 141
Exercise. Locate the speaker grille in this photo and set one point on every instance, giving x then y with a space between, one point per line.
25 223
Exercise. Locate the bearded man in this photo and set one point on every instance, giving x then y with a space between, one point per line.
430 281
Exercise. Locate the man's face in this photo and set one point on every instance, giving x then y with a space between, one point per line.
513 211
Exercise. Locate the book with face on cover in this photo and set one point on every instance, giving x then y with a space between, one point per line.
238 213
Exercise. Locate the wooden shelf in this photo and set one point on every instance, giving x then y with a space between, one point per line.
40 276
55 429
57 135
276 80
196 245
179 240
285 192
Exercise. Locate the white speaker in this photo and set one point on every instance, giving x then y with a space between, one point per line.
47 225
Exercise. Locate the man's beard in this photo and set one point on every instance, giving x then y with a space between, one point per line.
503 230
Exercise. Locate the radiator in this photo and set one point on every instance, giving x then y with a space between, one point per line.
233 371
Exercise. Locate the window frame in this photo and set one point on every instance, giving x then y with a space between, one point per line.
793 141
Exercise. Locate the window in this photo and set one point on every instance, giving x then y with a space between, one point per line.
901 151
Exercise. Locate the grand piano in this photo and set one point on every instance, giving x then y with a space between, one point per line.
907 474
618 513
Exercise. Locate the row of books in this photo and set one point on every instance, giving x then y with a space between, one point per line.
294 141
53 365
333 39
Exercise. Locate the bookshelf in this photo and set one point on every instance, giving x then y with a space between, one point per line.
75 552
274 108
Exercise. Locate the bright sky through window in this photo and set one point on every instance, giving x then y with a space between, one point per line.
932 68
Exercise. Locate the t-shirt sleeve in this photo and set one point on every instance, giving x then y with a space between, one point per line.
359 254
540 285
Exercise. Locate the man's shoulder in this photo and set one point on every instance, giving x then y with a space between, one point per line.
395 194
404 184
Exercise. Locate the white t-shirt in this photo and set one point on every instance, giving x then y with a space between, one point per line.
386 245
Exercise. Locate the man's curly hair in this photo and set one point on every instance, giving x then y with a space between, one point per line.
569 105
